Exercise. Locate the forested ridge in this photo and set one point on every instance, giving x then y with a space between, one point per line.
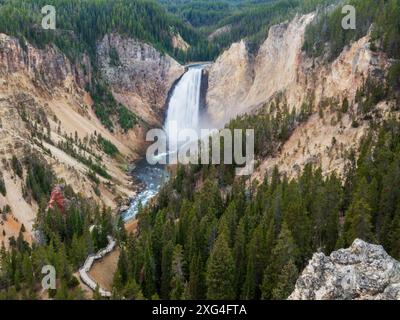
251 243
253 21
246 19
81 23
64 237
326 35
209 234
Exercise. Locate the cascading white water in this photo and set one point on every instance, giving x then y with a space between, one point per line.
184 107
183 113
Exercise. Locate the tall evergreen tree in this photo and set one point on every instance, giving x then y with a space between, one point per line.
283 256
166 270
286 281
220 271
196 284
358 218
178 277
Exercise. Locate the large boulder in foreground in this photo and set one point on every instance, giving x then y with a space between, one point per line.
363 271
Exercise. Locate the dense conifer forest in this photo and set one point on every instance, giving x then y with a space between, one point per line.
251 243
81 23
380 17
209 234
65 236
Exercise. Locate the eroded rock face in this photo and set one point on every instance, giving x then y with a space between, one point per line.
42 90
140 76
361 272
279 60
240 82
230 79
48 66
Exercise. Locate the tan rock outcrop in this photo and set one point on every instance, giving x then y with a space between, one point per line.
230 80
242 83
41 90
361 272
142 77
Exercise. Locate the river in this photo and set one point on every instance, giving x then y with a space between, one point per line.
183 113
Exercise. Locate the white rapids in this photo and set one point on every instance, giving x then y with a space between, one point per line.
184 107
183 113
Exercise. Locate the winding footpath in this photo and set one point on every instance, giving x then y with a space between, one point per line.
84 270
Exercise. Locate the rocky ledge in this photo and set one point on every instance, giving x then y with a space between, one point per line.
362 272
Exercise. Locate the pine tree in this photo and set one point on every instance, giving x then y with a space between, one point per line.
249 285
228 222
297 219
286 281
148 271
195 287
360 226
220 271
178 277
259 251
121 274
132 291
284 251
27 272
239 256
395 236
166 270
390 197
358 218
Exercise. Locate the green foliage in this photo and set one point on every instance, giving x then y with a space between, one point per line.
286 281
80 24
40 177
276 283
108 110
370 95
3 189
271 125
177 269
16 166
252 20
94 165
107 146
126 118
394 76
220 271
387 27
199 13
253 242
65 241
114 58
326 35
345 106
358 217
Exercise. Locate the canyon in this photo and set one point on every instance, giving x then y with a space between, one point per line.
45 86
44 94
45 81
243 82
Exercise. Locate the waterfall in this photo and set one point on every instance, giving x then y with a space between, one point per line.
183 113
184 107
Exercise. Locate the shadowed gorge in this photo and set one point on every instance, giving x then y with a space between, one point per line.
317 219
